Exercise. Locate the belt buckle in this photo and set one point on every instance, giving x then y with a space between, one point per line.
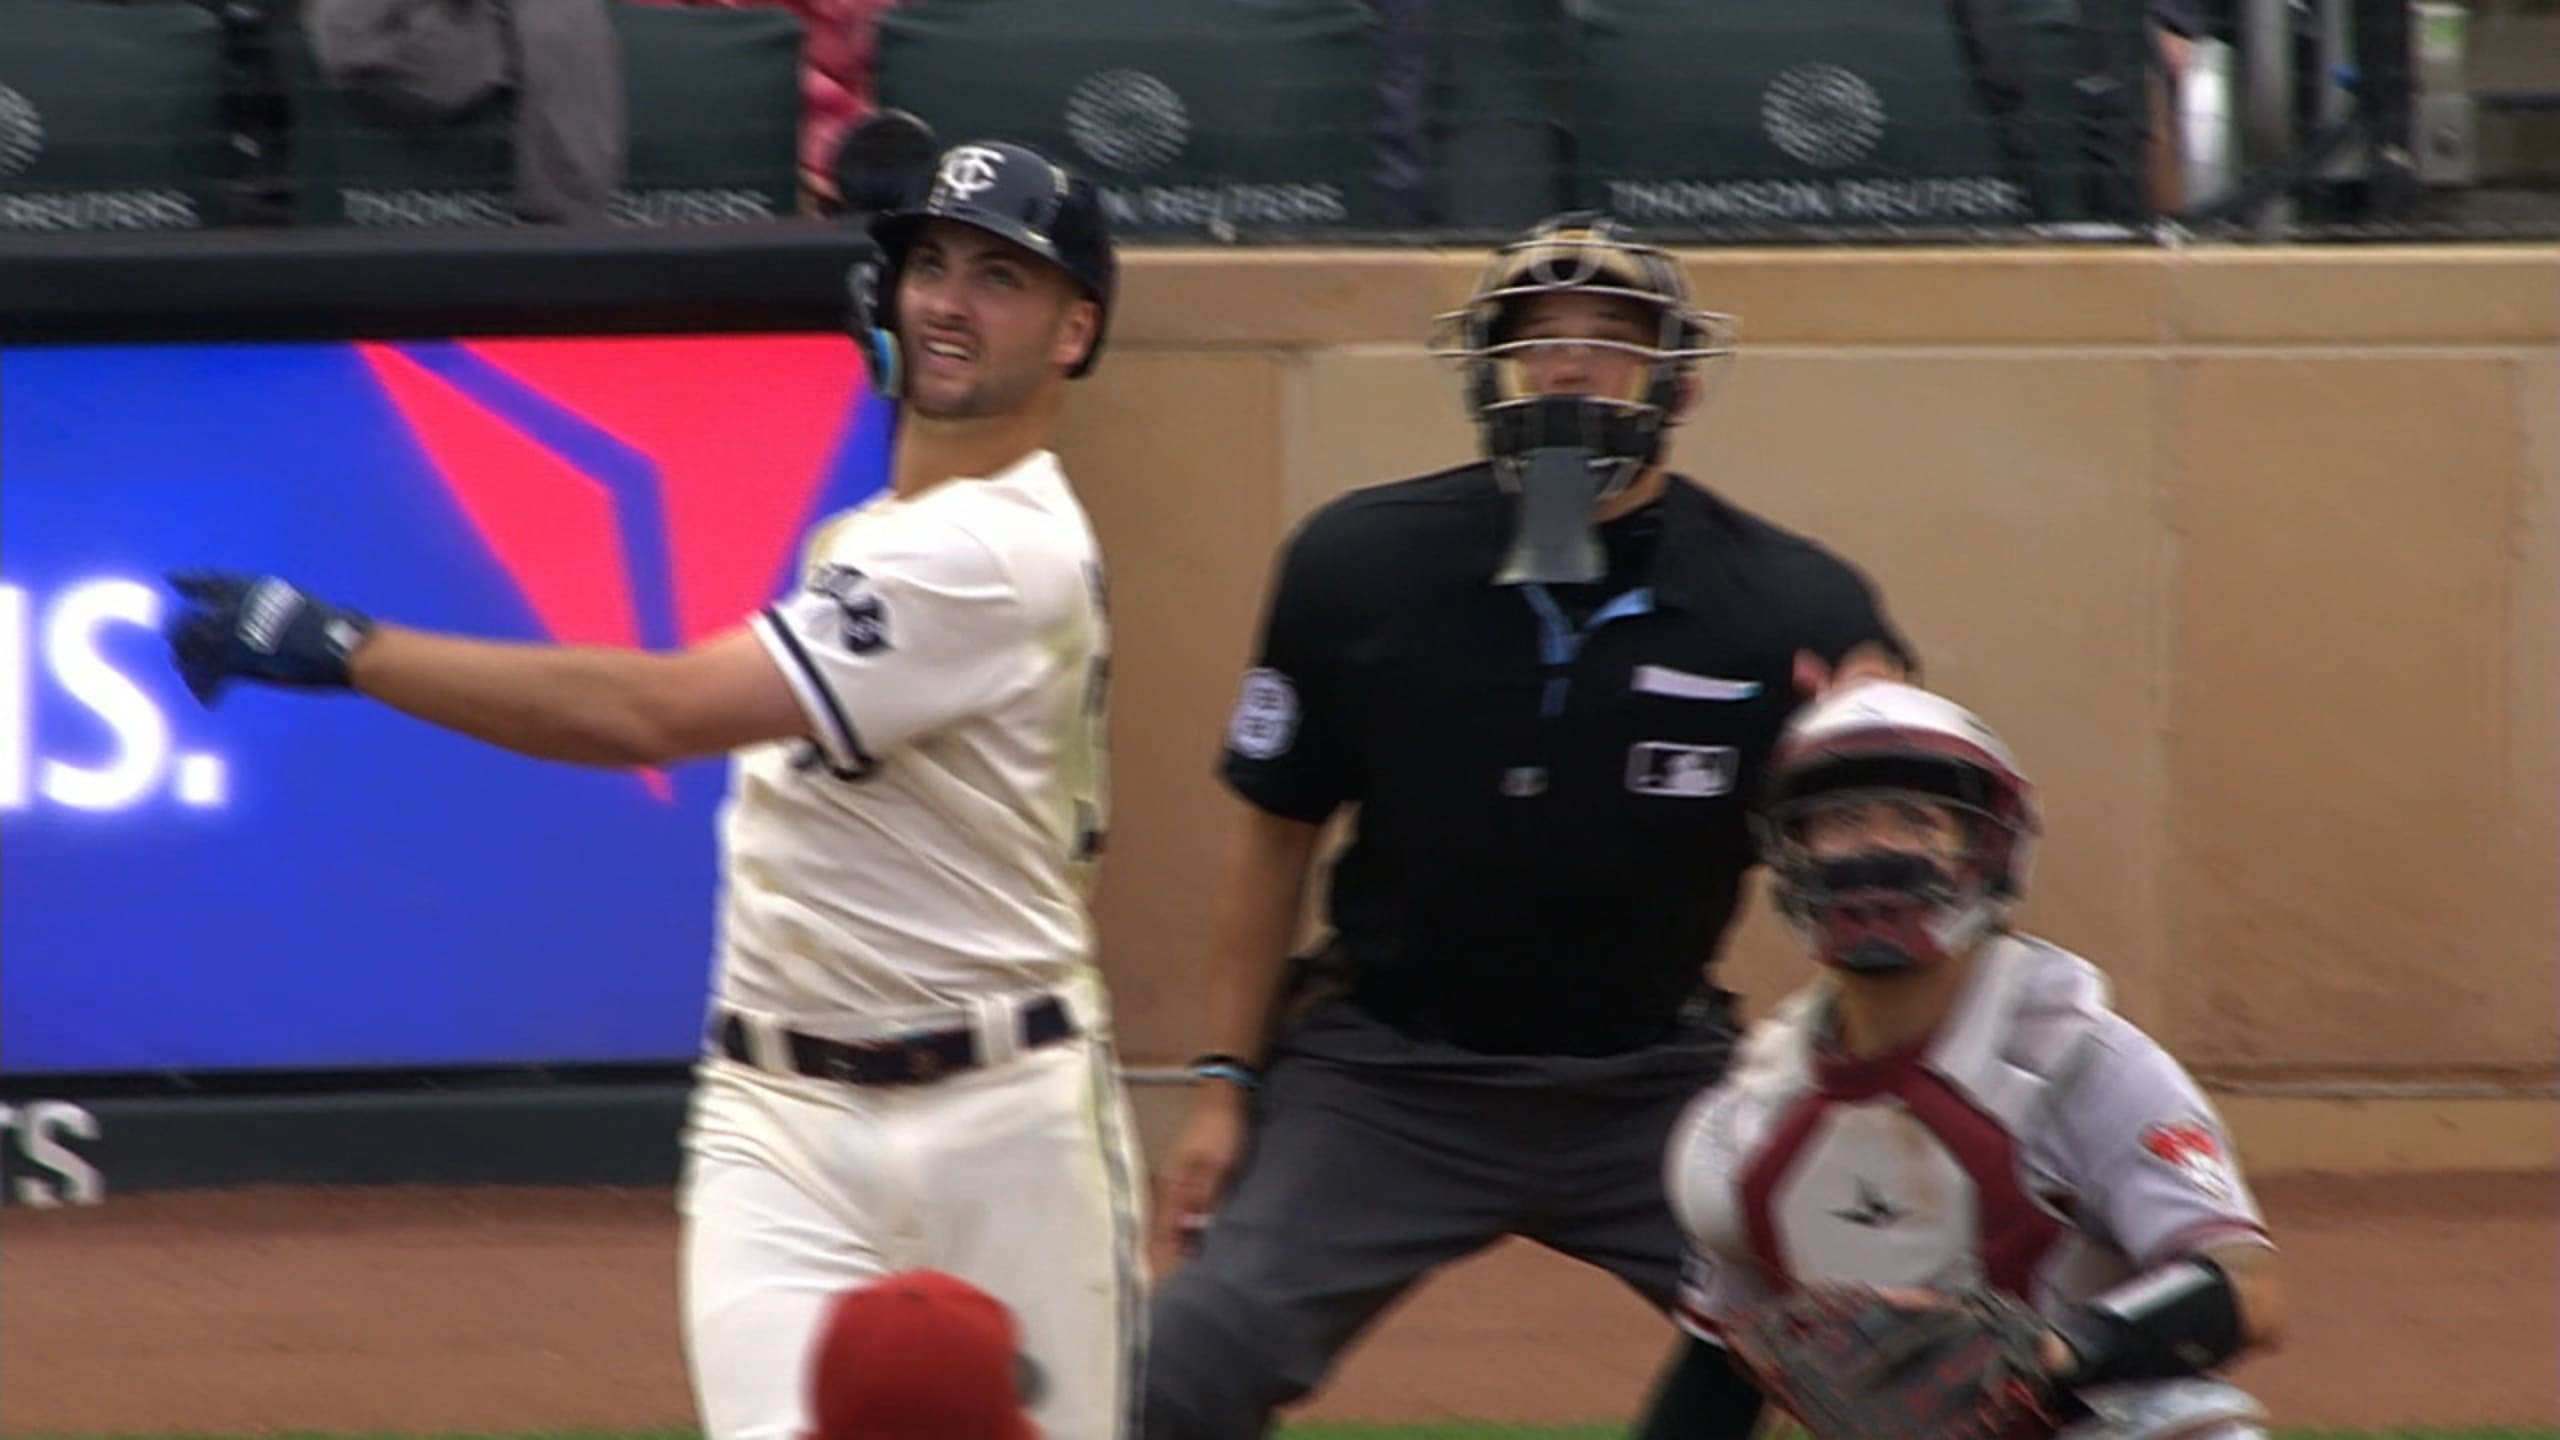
904 1060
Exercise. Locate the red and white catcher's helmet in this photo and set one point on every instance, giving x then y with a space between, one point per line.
1881 740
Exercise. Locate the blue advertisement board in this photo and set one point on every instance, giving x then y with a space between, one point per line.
291 882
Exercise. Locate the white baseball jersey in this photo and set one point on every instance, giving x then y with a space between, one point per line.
935 844
2038 1142
922 864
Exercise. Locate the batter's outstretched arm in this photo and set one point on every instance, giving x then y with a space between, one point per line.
586 706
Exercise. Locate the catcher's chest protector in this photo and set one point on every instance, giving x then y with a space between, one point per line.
1917 1170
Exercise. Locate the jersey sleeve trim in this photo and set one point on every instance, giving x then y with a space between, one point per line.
1272 798
836 736
2203 1236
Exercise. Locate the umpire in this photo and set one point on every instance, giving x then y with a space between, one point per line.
1545 682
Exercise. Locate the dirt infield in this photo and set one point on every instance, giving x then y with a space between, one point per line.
2415 1300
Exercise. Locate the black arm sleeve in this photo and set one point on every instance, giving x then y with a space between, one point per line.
1701 1396
1285 750
2178 1320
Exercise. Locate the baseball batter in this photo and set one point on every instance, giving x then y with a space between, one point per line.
1952 1103
909 1062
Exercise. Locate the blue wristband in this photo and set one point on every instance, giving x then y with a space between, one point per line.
1224 1067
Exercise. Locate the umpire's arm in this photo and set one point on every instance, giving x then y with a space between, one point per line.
1269 861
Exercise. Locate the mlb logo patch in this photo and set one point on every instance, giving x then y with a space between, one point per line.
1660 767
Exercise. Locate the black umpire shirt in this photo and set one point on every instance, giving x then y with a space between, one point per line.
1552 782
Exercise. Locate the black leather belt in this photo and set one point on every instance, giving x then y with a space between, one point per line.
913 1059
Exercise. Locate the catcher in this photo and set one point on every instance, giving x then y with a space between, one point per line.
1947 1191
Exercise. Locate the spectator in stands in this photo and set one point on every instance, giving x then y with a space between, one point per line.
2175 27
836 87
426 62
1415 38
1404 111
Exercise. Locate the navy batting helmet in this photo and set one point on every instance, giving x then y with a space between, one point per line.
1012 192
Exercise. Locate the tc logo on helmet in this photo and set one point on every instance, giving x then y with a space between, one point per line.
967 170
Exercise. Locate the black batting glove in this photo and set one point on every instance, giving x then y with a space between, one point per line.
258 627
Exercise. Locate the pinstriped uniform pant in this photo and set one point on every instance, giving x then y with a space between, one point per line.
1021 1178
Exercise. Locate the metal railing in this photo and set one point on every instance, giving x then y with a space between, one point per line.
2292 119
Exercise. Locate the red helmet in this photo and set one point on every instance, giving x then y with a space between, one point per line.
919 1355
1884 908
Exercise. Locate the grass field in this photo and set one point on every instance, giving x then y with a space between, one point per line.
1444 1430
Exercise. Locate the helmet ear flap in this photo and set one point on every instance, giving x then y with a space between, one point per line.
870 320
1080 230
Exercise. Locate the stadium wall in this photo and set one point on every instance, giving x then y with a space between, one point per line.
2254 554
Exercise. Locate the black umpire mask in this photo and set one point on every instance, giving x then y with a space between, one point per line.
1559 456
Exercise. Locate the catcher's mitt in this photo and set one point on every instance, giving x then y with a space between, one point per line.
1853 1363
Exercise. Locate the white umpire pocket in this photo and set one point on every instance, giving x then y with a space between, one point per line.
1681 685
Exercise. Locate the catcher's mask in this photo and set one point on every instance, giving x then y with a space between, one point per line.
1562 453
1894 901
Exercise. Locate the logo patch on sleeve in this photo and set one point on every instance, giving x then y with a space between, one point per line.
2194 1152
1265 721
866 618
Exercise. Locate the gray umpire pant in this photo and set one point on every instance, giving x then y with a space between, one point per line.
1376 1158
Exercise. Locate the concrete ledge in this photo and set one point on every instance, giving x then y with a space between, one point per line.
80 1151
2471 296
2279 1134
2276 1134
